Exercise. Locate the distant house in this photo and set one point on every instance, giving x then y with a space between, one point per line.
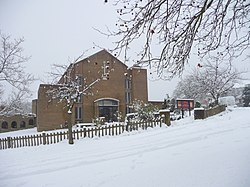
113 94
237 92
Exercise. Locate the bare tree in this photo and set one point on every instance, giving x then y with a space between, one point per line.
210 80
15 104
12 61
209 27
12 71
189 88
218 80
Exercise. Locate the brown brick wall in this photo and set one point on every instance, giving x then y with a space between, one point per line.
139 84
50 115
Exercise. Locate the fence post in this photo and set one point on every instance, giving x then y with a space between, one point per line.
44 138
127 126
9 142
84 132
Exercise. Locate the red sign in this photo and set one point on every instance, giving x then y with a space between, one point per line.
185 104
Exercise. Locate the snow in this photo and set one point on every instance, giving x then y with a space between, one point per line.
211 152
199 108
24 132
164 110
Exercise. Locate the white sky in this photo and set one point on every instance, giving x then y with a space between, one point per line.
56 30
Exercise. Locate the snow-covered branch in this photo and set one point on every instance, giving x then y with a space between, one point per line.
11 63
170 29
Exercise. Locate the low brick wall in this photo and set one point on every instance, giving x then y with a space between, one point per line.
201 113
17 122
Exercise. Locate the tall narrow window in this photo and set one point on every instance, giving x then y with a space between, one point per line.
79 80
128 84
128 90
78 113
79 99
128 97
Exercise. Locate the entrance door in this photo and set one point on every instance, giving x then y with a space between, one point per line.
108 108
108 112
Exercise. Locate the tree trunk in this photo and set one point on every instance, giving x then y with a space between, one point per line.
216 102
70 134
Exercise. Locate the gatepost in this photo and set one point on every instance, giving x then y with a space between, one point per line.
199 113
165 115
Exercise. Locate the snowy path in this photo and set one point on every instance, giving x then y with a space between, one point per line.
211 152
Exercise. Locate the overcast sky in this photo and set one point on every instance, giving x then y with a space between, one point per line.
56 30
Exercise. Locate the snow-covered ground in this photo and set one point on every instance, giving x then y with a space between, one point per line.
214 152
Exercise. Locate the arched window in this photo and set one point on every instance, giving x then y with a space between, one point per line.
22 124
13 124
31 122
5 125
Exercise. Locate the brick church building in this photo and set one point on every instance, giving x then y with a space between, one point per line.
113 93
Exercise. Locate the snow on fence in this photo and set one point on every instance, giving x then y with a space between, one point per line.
52 138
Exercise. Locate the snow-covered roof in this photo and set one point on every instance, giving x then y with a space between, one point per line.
184 99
